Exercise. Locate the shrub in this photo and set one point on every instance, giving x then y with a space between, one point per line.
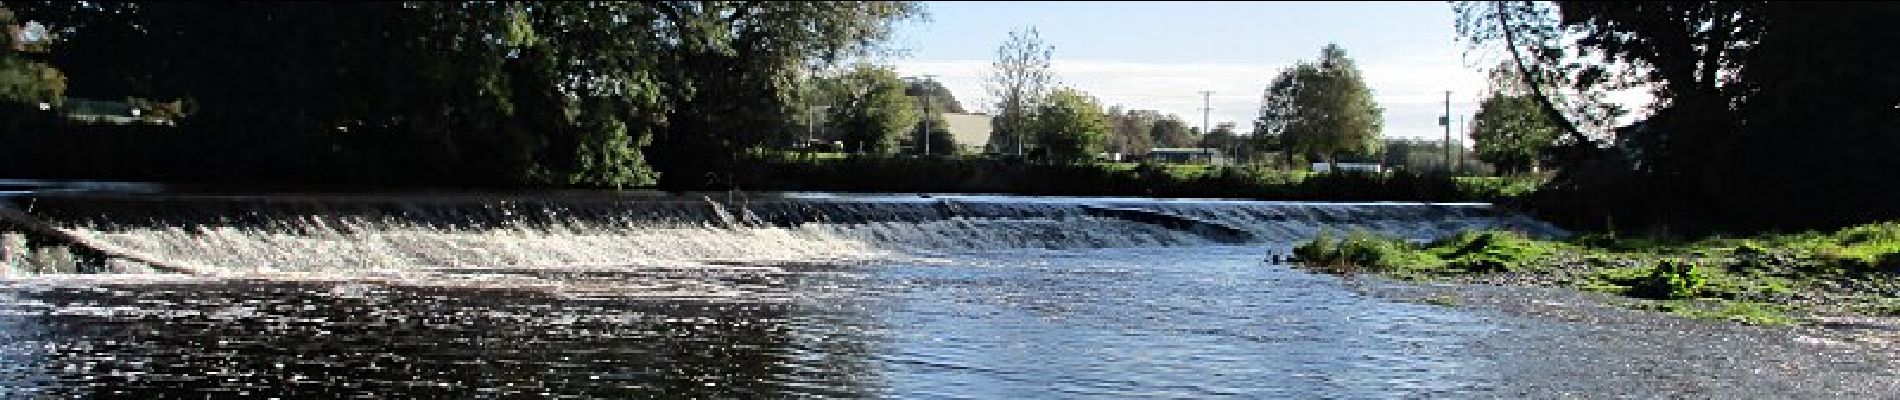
1492 251
1671 280
1364 250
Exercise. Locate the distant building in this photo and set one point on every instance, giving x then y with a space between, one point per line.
93 111
970 131
1348 167
1188 155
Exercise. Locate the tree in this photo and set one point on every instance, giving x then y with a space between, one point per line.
871 110
1322 109
23 80
942 142
733 67
568 93
1766 114
932 100
1226 138
1171 132
1511 132
1130 130
1532 38
1071 128
1020 80
941 100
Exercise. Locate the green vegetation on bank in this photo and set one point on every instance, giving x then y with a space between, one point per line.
795 172
1759 279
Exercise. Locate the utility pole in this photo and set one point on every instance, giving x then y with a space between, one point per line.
929 89
1446 122
1207 107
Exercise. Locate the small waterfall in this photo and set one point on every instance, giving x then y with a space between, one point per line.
238 235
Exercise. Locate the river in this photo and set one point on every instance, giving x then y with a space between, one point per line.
894 297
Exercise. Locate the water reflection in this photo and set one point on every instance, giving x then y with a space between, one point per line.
1179 322
344 340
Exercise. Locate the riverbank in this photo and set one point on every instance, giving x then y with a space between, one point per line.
996 175
1813 278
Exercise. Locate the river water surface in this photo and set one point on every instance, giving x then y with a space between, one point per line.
1066 315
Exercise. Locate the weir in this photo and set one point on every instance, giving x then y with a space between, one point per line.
351 234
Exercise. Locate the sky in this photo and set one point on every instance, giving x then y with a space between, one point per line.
1160 55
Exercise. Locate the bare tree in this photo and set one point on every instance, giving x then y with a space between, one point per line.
1020 81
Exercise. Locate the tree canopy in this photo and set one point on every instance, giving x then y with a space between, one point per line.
1511 132
1070 127
565 93
871 110
1020 80
1321 109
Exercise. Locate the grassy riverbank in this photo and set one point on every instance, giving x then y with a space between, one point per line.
1764 279
987 175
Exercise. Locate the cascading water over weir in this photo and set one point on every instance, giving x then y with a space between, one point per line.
367 234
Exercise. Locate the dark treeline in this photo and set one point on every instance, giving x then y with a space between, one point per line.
984 175
1769 115
592 94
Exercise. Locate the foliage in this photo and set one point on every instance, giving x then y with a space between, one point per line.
934 128
732 72
23 80
1070 128
1531 35
1492 251
1670 280
871 109
941 99
793 172
1361 250
1131 131
1768 115
1320 109
1171 132
1428 155
1510 133
464 93
1757 279
1020 80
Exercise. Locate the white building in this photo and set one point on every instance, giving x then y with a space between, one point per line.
971 131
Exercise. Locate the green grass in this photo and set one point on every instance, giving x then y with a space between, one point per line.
1499 187
1465 253
1748 279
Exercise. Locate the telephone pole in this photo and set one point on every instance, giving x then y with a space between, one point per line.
1207 107
1446 122
929 89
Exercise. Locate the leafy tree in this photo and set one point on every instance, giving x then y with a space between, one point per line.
565 93
932 100
23 80
1071 127
1322 109
1511 132
1020 80
1171 132
732 72
941 140
941 100
1227 139
1130 130
1766 114
871 110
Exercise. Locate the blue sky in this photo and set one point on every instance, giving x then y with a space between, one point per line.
1158 55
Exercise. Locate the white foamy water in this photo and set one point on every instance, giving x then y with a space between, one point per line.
392 238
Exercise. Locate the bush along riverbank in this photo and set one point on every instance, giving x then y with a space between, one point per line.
987 175
1771 279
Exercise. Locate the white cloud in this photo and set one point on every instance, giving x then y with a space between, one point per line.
1410 89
